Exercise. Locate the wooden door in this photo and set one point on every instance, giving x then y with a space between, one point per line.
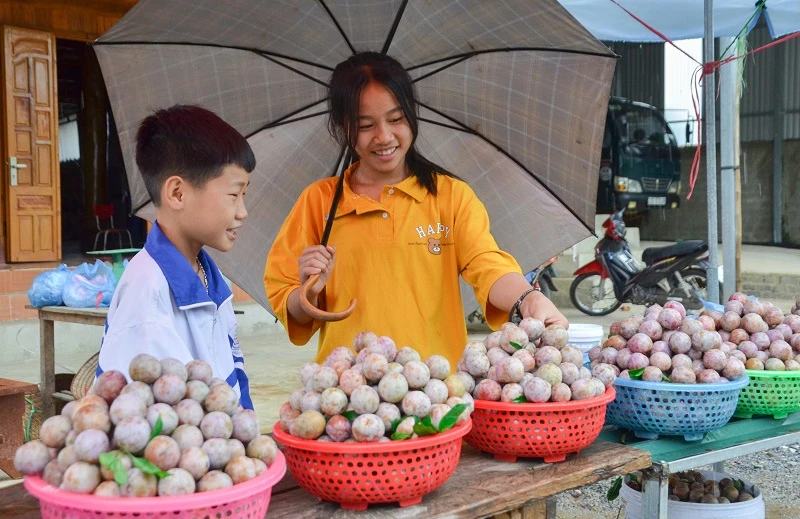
30 139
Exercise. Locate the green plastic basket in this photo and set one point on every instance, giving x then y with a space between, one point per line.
775 393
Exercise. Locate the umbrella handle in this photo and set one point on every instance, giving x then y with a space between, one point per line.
315 312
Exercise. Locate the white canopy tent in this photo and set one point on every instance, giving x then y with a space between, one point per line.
685 19
678 19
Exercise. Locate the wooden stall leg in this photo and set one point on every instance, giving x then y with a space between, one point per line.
47 366
539 509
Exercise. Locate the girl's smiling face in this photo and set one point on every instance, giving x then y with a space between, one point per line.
384 135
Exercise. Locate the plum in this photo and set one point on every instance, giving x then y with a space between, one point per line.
169 417
676 305
218 453
568 354
560 393
669 319
199 370
53 431
510 337
511 391
216 424
752 323
569 372
374 367
780 349
90 444
773 364
623 358
715 359
537 390
661 361
363 340
214 480
406 354
195 461
32 457
91 417
388 346
389 413
340 353
368 428
754 363
556 336
469 381
241 469
640 343
477 364
332 401
583 388
174 367
703 340
608 356
418 374
761 339
53 473
550 373
364 399
708 376
662 347
652 329
109 385
108 489
179 482
605 373
418 404
474 347
222 398
170 388
197 390
81 477
324 378
616 341
638 360
436 391
438 366
144 368
487 389
132 434
245 425
307 371
735 306
652 374
495 355
351 379
338 428
510 370
141 389
393 387
547 354
163 452
188 436
310 425
534 328
683 375
455 386
734 368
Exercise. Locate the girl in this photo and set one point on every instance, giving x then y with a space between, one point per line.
404 230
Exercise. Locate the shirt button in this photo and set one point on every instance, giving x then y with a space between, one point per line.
391 191
386 215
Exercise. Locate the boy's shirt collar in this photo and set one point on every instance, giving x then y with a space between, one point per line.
186 285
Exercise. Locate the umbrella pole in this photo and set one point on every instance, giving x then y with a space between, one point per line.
310 309
712 284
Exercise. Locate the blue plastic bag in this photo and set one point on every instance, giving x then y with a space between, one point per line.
47 287
90 286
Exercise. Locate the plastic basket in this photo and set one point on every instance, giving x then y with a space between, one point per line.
651 409
775 393
245 500
548 430
356 475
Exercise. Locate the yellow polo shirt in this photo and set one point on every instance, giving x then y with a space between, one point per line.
400 258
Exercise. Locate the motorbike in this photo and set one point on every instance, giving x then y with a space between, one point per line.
674 272
542 277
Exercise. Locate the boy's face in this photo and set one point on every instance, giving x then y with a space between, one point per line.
214 212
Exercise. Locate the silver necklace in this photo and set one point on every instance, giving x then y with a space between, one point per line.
201 269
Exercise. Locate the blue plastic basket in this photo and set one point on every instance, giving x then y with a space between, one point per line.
651 409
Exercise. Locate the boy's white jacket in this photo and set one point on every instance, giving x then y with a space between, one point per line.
161 307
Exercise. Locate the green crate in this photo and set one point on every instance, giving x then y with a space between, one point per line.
775 393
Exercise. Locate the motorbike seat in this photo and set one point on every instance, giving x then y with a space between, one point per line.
653 254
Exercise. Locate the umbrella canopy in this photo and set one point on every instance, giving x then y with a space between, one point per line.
512 98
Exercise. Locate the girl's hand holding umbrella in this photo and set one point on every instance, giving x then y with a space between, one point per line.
315 266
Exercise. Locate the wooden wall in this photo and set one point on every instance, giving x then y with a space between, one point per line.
83 20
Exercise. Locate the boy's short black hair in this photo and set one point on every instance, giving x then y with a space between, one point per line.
191 142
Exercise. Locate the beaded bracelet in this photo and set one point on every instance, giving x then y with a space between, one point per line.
515 309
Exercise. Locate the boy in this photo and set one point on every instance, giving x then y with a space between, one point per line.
172 301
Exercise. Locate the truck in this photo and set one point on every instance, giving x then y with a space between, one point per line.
640 162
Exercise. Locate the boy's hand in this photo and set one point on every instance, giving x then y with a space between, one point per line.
316 260
538 306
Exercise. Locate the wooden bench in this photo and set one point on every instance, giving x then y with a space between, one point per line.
479 487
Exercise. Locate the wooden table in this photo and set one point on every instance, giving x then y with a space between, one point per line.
48 315
479 487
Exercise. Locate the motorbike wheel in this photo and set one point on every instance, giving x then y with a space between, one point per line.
696 277
590 297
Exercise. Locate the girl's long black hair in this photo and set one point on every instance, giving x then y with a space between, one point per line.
349 79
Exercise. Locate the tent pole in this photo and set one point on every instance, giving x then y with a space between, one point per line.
710 139
729 166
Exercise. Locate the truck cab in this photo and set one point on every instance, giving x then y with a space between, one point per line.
640 163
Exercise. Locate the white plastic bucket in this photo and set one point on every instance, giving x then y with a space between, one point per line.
753 509
585 337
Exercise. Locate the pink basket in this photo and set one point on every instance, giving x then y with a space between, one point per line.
245 500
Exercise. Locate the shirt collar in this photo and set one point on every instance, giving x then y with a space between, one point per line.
351 201
186 285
